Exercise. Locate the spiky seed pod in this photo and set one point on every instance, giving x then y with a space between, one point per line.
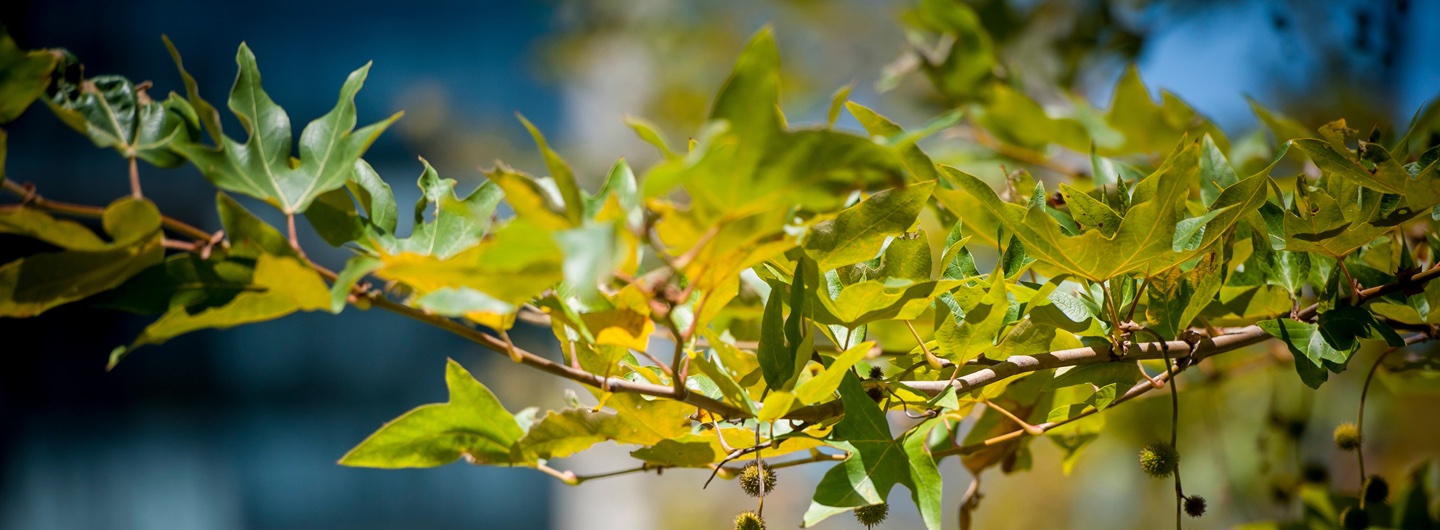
1347 437
753 476
1315 473
1195 506
1376 489
873 514
1353 518
1159 459
749 521
876 372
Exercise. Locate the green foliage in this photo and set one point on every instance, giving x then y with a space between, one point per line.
774 264
473 424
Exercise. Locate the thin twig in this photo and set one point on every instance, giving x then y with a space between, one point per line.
33 199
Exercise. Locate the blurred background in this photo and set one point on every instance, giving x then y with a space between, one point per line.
241 428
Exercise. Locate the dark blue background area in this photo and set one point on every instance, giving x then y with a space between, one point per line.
241 428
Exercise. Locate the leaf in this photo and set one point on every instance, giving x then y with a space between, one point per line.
1377 170
704 448
1175 298
1137 245
963 71
115 113
857 232
781 354
516 263
651 135
915 160
84 264
875 300
1313 355
876 462
960 341
24 74
563 433
281 286
1149 127
822 387
590 259
355 269
335 217
1215 172
1016 119
838 101
472 424
1336 229
261 167
746 163
1089 212
1282 127
560 171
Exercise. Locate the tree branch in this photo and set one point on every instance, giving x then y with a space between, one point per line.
32 199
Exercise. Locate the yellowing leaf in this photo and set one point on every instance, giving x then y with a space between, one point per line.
280 286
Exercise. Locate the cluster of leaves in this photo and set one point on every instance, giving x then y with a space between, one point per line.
774 265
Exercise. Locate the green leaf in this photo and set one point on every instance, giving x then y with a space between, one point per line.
457 224
1282 127
621 187
1089 212
560 171
513 265
205 113
1146 233
1016 119
746 163
838 101
1215 172
822 387
335 217
963 71
1336 229
961 341
590 257
84 264
281 286
115 113
876 462
1149 127
1313 355
651 135
249 236
870 301
857 232
355 269
1176 298
781 354
24 74
262 167
183 281
1377 170
731 390
915 160
473 424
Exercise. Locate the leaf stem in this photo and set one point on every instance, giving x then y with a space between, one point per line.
294 240
135 179
1360 418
